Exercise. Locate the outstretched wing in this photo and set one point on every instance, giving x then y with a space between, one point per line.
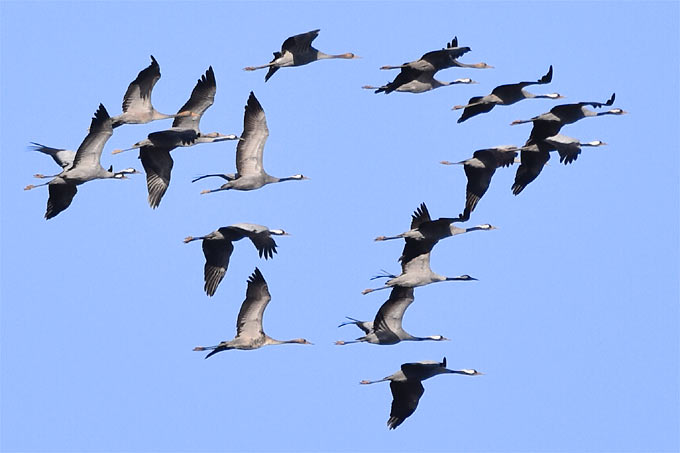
299 43
420 216
61 196
138 94
202 97
217 253
441 59
250 147
531 166
249 320
157 165
90 151
405 397
63 157
391 313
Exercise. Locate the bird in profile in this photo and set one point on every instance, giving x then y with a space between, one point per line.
570 113
297 51
85 166
428 232
137 107
249 331
505 95
569 148
407 388
536 152
411 80
479 169
437 60
250 174
154 151
218 246
387 328
415 257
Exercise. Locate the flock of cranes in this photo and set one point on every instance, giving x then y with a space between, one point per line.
417 76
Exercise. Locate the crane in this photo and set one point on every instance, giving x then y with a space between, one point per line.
137 107
154 151
217 248
387 325
505 95
297 50
437 60
569 148
428 232
249 331
479 169
250 174
407 388
411 80
85 166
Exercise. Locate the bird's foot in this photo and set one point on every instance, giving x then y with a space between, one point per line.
205 191
365 382
339 342
366 291
380 238
29 187
249 68
199 348
188 239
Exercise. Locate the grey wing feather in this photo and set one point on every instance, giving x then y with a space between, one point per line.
250 147
249 320
63 157
202 97
138 94
391 313
90 151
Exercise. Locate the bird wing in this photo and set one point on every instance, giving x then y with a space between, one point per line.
417 259
138 94
440 59
299 43
567 147
90 151
405 397
531 166
61 196
420 215
478 180
503 91
171 138
474 110
251 145
541 130
157 164
63 157
202 97
406 75
391 313
249 320
217 253
259 235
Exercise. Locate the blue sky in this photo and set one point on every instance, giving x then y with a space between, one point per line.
574 318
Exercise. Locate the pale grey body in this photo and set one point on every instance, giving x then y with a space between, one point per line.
387 328
249 331
250 173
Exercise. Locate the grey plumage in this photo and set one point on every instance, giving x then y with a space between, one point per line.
249 331
218 246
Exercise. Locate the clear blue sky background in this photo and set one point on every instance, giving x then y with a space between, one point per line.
574 318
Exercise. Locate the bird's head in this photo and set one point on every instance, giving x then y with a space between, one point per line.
301 341
466 80
595 143
483 66
486 226
279 233
299 177
617 112
471 372
554 96
438 338
464 277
